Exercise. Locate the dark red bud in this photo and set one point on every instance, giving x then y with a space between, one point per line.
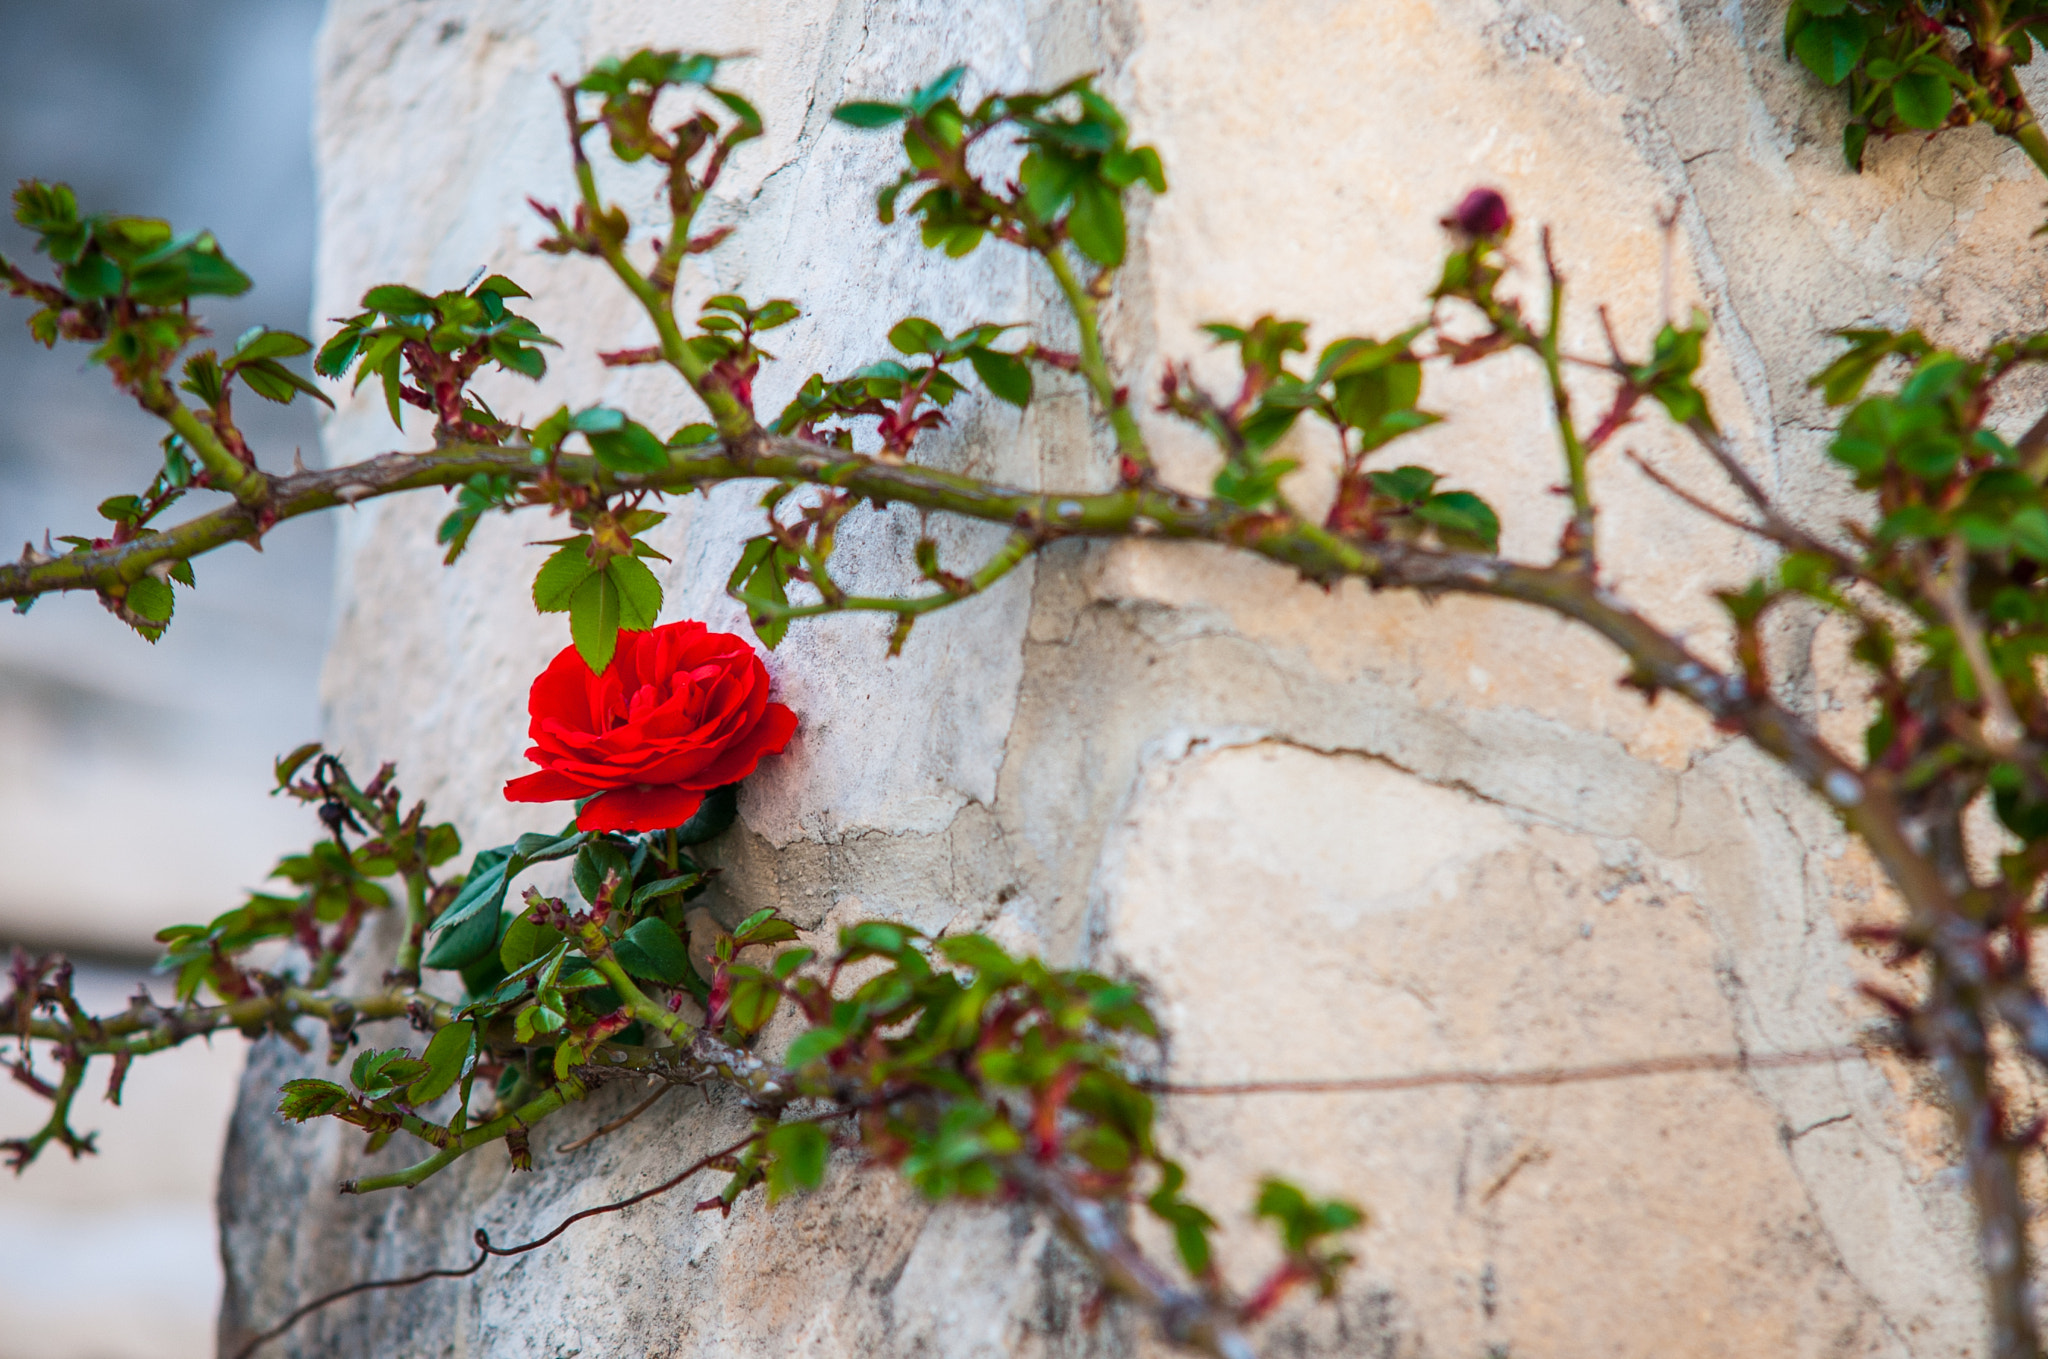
1483 212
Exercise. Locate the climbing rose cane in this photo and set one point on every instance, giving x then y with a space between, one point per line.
681 710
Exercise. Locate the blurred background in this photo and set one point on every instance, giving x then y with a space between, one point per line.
133 778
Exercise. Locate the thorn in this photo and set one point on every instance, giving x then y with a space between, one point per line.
299 468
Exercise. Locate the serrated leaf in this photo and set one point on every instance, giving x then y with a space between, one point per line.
307 1098
560 575
594 612
152 599
525 940
639 593
395 299
273 381
261 342
449 1057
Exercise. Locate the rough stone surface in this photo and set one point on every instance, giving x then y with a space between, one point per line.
1338 834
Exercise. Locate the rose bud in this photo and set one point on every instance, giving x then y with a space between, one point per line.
681 710
1483 212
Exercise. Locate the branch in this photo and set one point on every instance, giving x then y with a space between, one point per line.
1183 1316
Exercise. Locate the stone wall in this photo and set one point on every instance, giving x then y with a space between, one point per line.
1338 834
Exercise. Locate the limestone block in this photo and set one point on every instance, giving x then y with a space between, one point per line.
1337 834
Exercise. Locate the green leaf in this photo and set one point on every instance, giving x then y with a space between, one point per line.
875 937
598 859
649 893
762 927
395 299
812 1045
652 951
713 818
261 342
151 599
273 381
393 389
442 844
1096 223
915 335
1005 375
639 593
1831 45
1253 485
1408 485
925 99
632 447
469 927
800 1151
869 114
1462 519
460 945
449 1057
380 1074
1854 137
760 578
561 574
1922 100
594 614
527 939
289 765
304 1099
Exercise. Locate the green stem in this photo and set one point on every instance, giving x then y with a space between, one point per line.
224 471
1019 547
1580 547
643 1007
1094 366
143 1030
525 1116
58 1127
733 419
406 966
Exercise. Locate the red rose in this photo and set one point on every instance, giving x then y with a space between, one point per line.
680 711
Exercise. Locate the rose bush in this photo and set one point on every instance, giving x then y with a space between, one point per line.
680 710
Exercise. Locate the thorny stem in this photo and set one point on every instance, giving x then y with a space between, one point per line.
643 1007
1579 544
147 1027
58 1128
224 471
406 967
733 418
1130 442
525 1116
1184 1316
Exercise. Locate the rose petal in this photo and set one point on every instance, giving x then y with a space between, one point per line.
548 785
770 737
639 809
